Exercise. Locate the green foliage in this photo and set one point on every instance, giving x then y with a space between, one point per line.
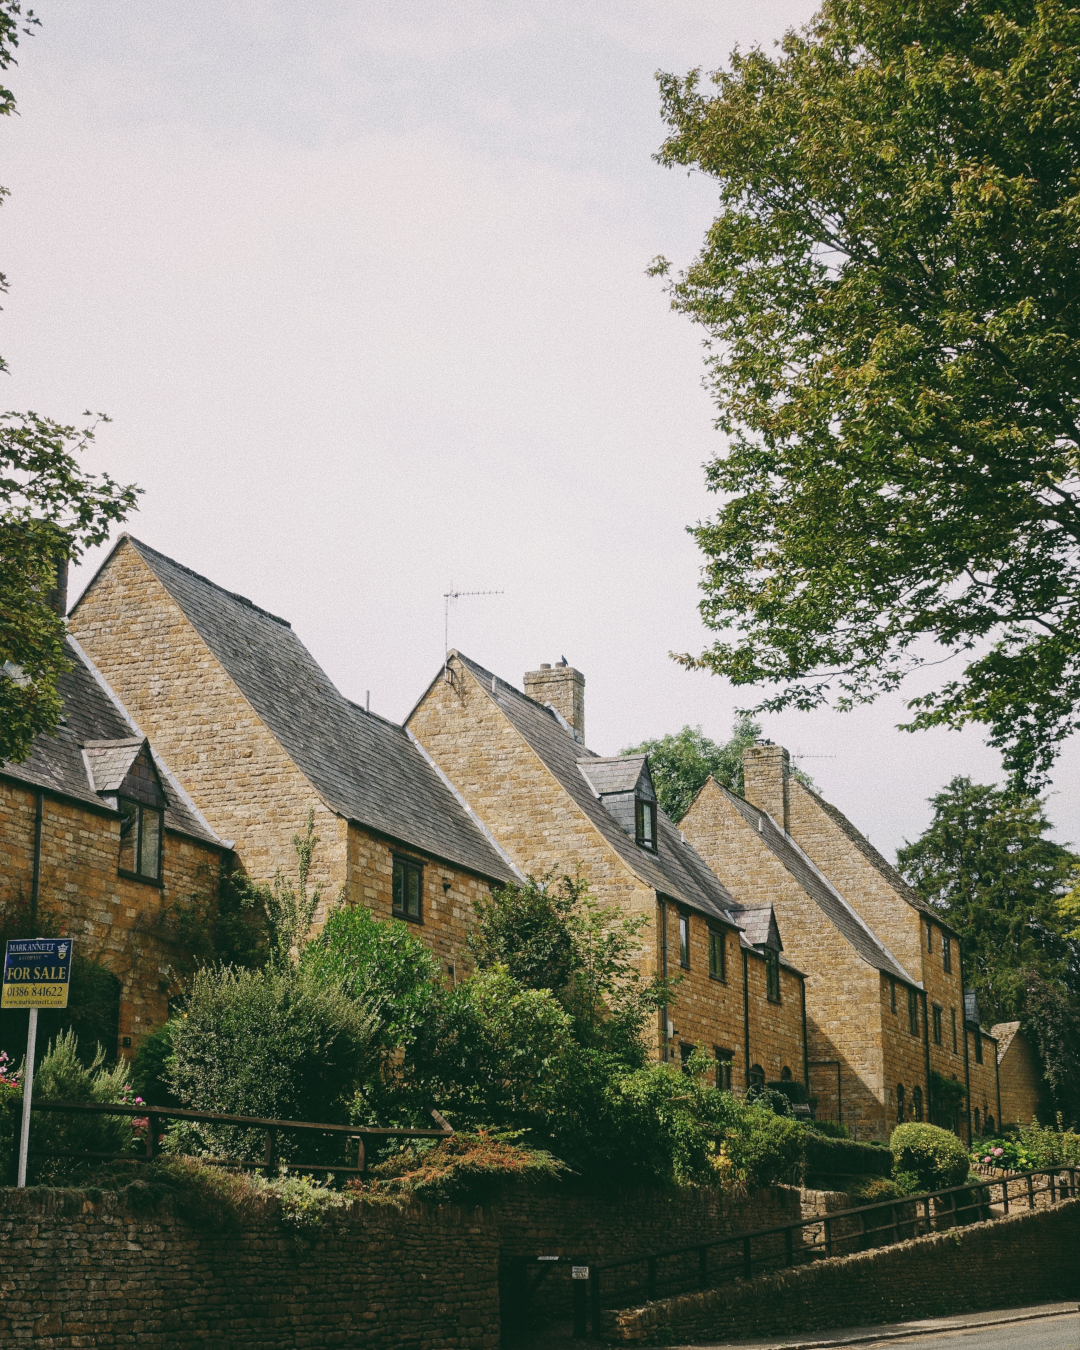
947 1098
681 764
1051 1017
274 1043
986 864
585 953
765 1149
62 1076
290 907
894 344
868 1190
831 1129
1030 1147
841 1157
151 1068
465 1169
383 966
222 922
936 1157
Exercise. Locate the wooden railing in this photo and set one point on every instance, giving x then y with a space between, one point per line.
269 1162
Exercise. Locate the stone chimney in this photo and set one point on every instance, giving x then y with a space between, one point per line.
58 595
765 779
564 688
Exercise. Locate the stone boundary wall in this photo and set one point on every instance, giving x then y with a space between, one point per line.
83 1272
1029 1257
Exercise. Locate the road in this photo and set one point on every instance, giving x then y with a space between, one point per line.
1050 1333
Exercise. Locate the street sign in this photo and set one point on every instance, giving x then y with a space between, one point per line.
37 973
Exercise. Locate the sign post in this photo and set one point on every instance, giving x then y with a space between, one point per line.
37 974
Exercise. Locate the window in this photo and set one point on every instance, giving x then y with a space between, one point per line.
408 889
913 1011
953 1013
140 840
723 1067
937 1025
929 937
916 1103
757 1076
946 953
892 995
989 1124
684 941
785 1074
685 1051
717 955
772 975
978 1046
899 1101
645 824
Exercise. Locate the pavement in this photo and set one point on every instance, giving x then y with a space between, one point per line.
1049 1326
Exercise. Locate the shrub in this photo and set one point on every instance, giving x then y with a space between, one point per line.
935 1156
151 1068
273 1043
867 1190
831 1129
766 1149
467 1167
61 1076
843 1157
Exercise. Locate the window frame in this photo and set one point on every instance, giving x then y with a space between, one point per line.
724 1061
407 864
900 1107
772 974
684 939
916 1102
718 942
946 953
977 1033
137 874
939 1037
756 1077
641 806
913 1011
686 1049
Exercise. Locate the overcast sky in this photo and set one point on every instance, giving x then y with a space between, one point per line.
362 287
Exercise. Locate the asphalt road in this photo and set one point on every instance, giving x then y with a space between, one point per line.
1051 1333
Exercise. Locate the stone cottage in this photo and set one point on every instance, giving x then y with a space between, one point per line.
99 841
520 763
884 986
1018 1073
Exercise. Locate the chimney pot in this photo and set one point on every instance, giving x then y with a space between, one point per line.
564 688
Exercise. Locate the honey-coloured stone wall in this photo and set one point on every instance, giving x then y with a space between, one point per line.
115 920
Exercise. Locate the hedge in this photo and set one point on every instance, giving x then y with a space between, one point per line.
844 1157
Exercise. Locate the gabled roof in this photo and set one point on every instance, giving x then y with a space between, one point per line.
364 767
108 762
618 773
828 899
878 862
59 763
760 926
675 870
1004 1033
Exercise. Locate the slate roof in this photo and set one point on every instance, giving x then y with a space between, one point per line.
614 774
676 871
757 922
878 861
108 762
818 888
971 1008
57 763
365 767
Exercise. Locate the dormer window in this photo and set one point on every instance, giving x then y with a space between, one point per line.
646 824
140 840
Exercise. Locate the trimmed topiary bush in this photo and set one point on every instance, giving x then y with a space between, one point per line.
935 1156
843 1157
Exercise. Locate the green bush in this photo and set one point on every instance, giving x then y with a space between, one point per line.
766 1149
62 1076
274 1043
831 1129
935 1156
867 1190
843 1157
151 1067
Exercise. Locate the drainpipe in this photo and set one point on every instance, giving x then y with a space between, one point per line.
35 884
805 1047
963 1030
926 1048
663 971
746 1018
997 1080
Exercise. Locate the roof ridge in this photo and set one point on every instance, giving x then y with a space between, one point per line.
198 576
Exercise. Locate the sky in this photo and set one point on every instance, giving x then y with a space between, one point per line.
362 287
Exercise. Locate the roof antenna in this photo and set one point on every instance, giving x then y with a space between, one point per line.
448 596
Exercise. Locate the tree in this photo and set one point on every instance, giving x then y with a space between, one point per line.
892 309
680 764
50 510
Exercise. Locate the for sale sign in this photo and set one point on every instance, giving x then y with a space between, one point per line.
37 972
